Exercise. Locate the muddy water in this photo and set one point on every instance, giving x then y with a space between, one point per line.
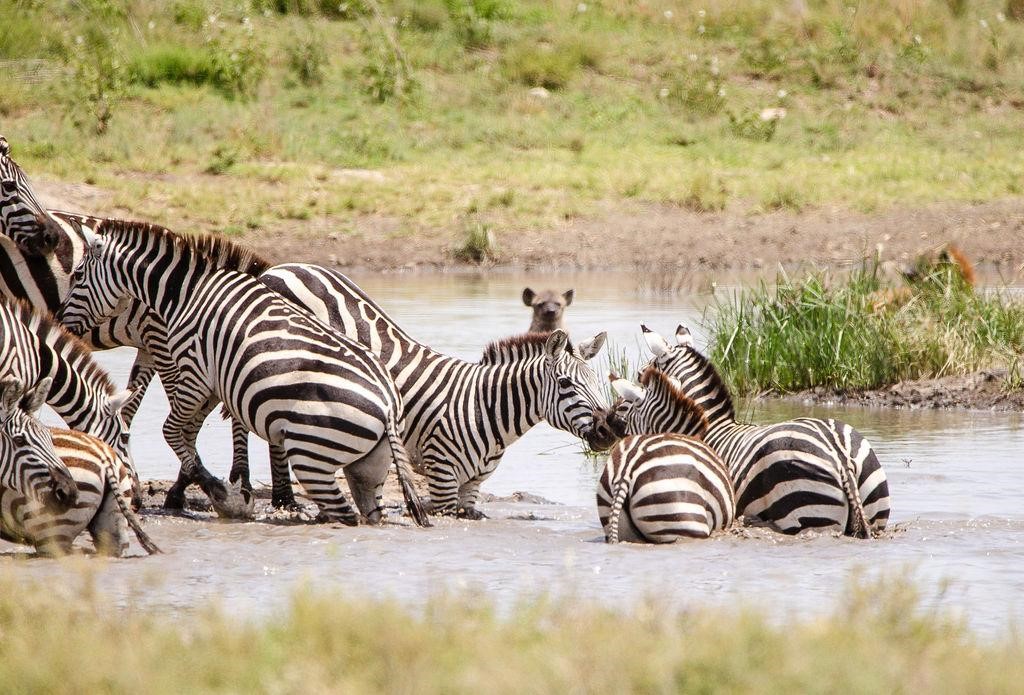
956 479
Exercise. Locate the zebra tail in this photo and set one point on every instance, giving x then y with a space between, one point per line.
133 521
618 501
404 471
848 476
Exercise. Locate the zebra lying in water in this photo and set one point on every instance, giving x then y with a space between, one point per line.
661 482
28 464
322 399
792 475
105 488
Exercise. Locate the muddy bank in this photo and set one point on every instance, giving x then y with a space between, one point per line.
628 235
986 390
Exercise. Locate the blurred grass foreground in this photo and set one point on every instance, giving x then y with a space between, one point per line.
879 638
253 114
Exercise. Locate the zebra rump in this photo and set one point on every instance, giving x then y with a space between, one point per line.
659 488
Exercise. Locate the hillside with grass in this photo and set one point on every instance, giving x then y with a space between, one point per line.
474 118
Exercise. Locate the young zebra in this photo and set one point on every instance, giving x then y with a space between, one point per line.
793 475
28 464
24 221
323 399
105 486
33 346
460 416
670 483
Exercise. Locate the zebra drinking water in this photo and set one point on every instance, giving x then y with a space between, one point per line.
323 399
28 464
460 416
669 483
793 475
105 486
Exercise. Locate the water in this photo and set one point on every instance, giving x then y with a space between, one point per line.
954 476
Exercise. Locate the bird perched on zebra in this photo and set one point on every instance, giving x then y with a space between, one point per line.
460 416
28 464
669 483
322 399
105 487
792 475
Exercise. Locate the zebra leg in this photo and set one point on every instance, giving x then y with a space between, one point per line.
281 496
239 454
443 486
468 495
366 480
143 370
321 486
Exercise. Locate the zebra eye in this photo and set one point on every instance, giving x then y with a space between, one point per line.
20 440
564 382
9 186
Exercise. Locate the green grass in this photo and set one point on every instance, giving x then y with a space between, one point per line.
879 638
824 330
890 103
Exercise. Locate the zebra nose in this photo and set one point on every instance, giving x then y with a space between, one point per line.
48 237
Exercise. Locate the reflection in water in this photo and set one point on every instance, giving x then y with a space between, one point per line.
954 480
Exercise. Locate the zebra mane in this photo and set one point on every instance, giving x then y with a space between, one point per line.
715 382
655 379
219 251
514 347
63 342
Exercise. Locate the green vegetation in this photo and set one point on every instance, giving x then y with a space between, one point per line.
746 105
878 639
857 332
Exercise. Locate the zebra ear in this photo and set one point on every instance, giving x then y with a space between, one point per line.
34 398
655 343
118 400
5 147
628 390
593 346
11 391
556 343
528 296
683 336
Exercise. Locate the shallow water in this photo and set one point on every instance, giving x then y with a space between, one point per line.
955 478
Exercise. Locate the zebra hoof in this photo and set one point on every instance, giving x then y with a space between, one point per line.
285 502
174 501
471 513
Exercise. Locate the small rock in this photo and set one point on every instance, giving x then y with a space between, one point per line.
540 93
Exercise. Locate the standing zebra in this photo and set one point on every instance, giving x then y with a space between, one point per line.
322 399
793 475
28 464
105 486
30 228
460 416
670 483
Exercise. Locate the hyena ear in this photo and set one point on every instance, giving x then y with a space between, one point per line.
655 343
528 296
568 295
555 345
683 336
589 349
34 398
628 390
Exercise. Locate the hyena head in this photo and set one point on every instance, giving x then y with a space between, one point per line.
548 308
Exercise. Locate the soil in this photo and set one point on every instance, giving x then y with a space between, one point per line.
629 235
986 390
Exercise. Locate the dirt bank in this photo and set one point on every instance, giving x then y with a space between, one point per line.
981 391
626 235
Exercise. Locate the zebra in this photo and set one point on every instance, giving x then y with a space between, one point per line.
792 475
105 486
322 400
671 484
33 345
28 463
460 416
29 226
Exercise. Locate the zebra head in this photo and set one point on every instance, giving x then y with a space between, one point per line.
28 462
24 220
97 289
655 406
574 398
